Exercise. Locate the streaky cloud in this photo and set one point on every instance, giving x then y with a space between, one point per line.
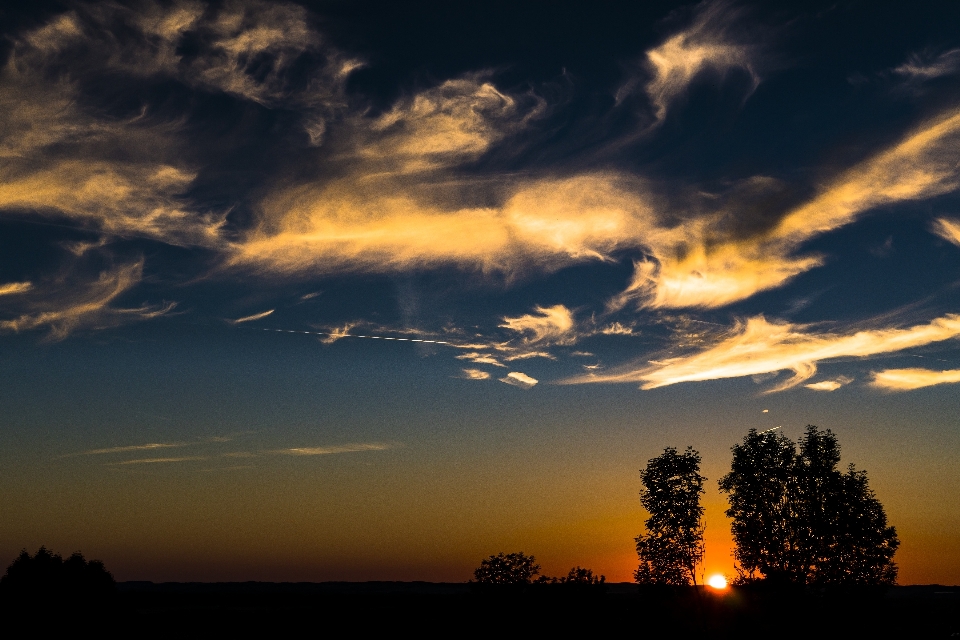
948 229
923 67
550 325
331 450
829 385
706 45
475 374
700 266
158 460
518 379
758 347
62 309
14 287
909 379
256 316
135 447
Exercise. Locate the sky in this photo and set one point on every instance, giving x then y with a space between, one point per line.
354 290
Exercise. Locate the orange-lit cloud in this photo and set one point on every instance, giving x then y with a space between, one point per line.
829 385
703 268
551 325
62 308
908 379
948 229
481 358
758 347
343 448
518 379
14 287
256 316
136 447
705 45
158 460
475 374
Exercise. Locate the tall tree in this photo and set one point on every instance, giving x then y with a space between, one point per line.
672 547
797 518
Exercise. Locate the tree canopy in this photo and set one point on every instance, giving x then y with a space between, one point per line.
798 519
672 547
48 575
511 568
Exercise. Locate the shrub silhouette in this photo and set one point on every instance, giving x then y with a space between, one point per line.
48 577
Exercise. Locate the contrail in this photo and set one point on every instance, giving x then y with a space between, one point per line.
356 335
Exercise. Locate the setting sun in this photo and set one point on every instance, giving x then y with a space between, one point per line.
717 581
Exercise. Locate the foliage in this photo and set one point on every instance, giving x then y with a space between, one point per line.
510 568
576 576
49 575
798 519
672 547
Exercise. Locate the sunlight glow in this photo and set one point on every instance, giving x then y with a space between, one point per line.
717 581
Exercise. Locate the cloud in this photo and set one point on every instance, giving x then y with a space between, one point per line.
699 265
909 379
67 305
338 333
526 355
135 447
344 448
458 119
551 325
707 45
256 316
920 67
947 229
517 379
617 329
758 347
481 358
158 460
15 287
475 374
829 385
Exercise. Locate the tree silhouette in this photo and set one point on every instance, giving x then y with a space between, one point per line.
760 484
672 547
48 576
798 519
510 568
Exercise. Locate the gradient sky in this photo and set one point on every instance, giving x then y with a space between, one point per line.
355 290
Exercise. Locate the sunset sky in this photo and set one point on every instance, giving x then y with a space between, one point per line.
353 290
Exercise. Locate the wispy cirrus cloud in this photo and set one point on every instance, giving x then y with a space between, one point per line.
475 374
481 358
157 460
335 449
829 385
251 318
698 265
909 379
948 229
14 287
135 447
921 67
757 347
549 325
708 44
71 303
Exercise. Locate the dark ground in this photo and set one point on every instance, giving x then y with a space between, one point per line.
144 609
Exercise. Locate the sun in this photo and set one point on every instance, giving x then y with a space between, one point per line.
717 581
